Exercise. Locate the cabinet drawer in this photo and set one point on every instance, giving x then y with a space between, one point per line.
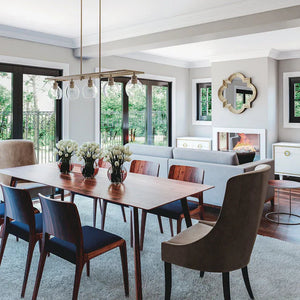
287 160
204 145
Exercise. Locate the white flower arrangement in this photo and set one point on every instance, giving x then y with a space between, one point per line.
65 149
117 155
89 152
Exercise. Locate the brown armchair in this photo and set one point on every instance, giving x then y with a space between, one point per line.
16 153
227 245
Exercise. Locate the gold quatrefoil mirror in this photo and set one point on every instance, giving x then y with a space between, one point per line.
237 93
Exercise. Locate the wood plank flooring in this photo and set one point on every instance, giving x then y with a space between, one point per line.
290 233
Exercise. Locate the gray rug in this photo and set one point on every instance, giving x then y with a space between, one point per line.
274 269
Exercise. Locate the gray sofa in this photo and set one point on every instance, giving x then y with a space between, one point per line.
218 166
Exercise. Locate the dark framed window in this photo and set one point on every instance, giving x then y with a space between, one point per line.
241 97
294 100
203 101
27 112
144 119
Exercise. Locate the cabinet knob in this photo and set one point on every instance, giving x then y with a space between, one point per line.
287 153
200 146
184 145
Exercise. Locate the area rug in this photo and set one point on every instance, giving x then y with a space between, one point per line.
274 269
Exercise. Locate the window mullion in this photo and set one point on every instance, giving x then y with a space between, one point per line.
17 105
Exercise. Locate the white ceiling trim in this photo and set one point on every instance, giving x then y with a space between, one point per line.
36 36
273 53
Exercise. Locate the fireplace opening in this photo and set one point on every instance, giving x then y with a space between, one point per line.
246 145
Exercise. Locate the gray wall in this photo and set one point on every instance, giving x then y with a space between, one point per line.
286 134
262 115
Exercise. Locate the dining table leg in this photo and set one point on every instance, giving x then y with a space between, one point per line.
186 212
137 258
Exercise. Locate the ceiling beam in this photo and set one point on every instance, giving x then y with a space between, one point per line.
262 22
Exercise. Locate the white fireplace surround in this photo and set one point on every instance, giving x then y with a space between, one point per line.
261 132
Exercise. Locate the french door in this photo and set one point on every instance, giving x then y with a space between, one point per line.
27 112
144 118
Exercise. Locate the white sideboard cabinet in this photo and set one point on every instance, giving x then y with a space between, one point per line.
287 159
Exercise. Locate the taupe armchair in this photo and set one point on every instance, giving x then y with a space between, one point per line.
16 153
226 245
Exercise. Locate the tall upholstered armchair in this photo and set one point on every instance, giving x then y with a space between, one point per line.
226 245
16 153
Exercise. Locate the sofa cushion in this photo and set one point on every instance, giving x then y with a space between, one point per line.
149 150
216 157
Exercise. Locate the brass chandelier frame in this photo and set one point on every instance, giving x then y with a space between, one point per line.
106 74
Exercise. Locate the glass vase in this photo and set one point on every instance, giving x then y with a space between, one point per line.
89 169
117 175
65 166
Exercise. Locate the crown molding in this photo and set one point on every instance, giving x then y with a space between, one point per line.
36 36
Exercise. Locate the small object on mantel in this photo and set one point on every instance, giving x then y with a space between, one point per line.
202 143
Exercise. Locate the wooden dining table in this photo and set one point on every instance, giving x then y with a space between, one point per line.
137 192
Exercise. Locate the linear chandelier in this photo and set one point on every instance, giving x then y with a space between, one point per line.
90 90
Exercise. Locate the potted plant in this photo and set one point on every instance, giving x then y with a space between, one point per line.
65 149
116 156
89 153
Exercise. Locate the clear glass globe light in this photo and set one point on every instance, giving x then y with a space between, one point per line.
133 86
110 89
90 90
55 92
72 91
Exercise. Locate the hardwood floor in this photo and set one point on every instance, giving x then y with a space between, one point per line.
290 233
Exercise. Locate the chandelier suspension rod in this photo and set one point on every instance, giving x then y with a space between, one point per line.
100 38
81 21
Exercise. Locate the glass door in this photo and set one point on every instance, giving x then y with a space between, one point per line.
5 105
39 116
111 117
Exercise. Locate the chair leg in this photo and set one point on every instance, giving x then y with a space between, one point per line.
226 285
39 274
160 224
168 280
201 274
247 282
72 197
123 213
179 221
171 227
131 230
95 200
123 253
100 205
3 244
103 214
79 267
143 226
88 268
28 264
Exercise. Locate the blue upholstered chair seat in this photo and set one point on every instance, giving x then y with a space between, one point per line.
2 210
173 210
22 230
93 239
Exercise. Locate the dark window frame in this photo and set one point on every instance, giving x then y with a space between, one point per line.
199 86
17 72
125 124
292 117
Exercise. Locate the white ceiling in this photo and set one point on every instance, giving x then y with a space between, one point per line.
125 18
247 46
57 22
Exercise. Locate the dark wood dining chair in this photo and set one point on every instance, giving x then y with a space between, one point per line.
174 210
139 167
2 212
101 164
226 245
64 236
20 221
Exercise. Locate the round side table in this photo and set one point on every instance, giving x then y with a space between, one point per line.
283 185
